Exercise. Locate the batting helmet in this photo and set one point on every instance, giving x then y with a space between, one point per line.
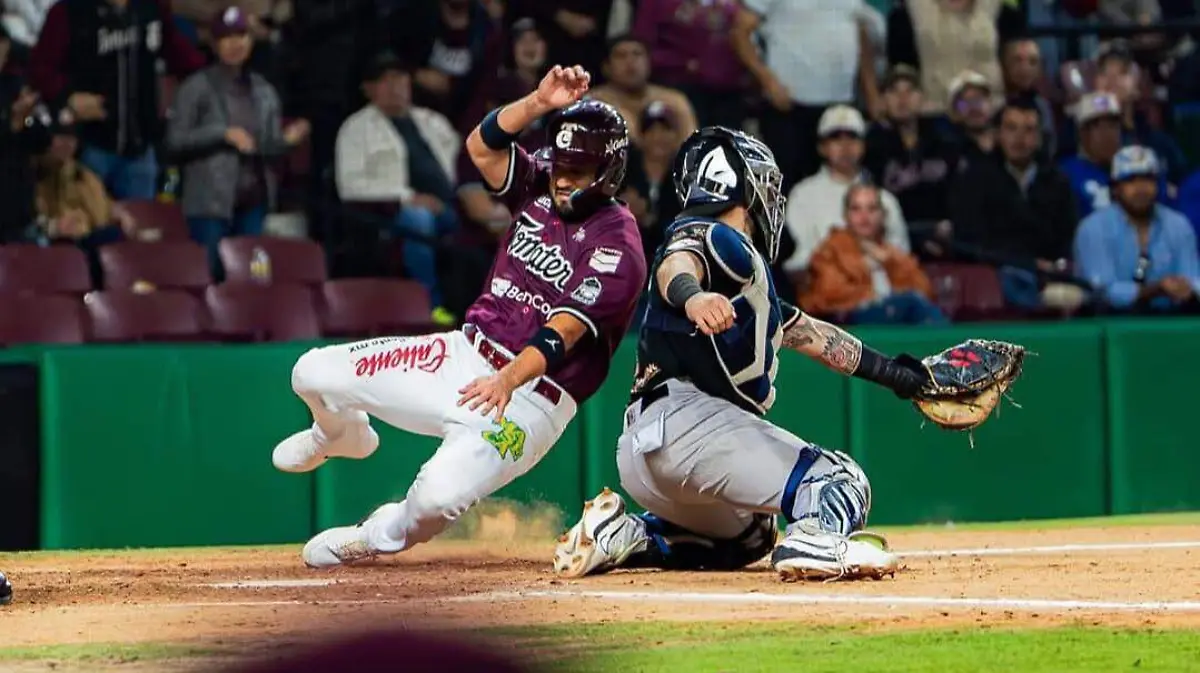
718 168
586 134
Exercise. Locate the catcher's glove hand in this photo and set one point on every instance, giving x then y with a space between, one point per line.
967 381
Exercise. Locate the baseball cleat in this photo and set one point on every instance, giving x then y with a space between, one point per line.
602 539
827 556
6 590
300 452
344 545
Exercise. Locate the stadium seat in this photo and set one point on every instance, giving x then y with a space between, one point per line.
369 307
967 292
56 269
41 319
254 312
156 221
162 315
292 260
168 265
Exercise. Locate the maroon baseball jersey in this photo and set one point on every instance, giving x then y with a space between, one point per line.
593 270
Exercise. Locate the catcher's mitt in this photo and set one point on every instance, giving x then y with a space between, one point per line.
967 382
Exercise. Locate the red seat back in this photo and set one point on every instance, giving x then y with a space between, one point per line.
254 312
375 306
156 221
163 315
966 291
168 265
56 269
41 319
291 260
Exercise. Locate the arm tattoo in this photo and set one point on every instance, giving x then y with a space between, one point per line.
830 344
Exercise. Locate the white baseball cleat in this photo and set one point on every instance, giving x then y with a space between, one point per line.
300 453
604 537
806 555
343 545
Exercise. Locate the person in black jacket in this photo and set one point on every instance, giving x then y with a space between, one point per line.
98 58
24 133
1014 210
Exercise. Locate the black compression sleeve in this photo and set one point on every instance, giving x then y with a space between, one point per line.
681 288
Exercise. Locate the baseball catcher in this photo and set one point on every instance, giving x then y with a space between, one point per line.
696 452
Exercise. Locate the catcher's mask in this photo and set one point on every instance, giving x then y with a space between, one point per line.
718 168
591 135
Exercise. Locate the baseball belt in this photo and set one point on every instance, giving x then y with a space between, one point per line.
498 359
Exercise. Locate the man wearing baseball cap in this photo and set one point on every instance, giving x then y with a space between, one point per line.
815 205
970 109
1138 255
906 153
1098 118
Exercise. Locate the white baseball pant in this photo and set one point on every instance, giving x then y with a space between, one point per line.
413 383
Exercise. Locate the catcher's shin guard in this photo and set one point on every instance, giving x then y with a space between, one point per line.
676 548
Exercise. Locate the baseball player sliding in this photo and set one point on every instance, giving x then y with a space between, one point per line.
696 452
501 390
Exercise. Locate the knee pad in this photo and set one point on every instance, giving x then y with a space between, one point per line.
676 548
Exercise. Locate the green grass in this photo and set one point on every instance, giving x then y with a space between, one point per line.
108 652
659 647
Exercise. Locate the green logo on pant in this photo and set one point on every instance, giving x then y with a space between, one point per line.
509 440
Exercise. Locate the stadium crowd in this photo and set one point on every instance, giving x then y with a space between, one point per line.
940 163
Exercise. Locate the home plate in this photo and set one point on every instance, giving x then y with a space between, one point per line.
272 584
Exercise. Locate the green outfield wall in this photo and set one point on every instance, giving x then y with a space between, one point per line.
170 445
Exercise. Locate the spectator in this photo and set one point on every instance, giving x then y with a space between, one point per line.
942 38
690 49
225 129
817 205
72 203
265 18
1116 73
574 29
98 58
1016 210
24 133
328 38
906 155
1022 65
814 57
856 271
971 110
449 43
524 66
1138 255
648 187
396 153
1098 116
628 88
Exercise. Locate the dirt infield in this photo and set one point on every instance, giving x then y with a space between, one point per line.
1128 576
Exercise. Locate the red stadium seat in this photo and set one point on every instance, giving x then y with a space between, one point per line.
41 319
174 265
968 291
156 221
56 269
254 312
375 307
292 260
163 315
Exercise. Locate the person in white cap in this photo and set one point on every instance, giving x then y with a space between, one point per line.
815 205
970 109
1138 255
1098 117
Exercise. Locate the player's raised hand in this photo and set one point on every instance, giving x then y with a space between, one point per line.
563 86
713 313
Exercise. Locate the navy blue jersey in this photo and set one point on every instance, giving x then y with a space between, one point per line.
738 364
